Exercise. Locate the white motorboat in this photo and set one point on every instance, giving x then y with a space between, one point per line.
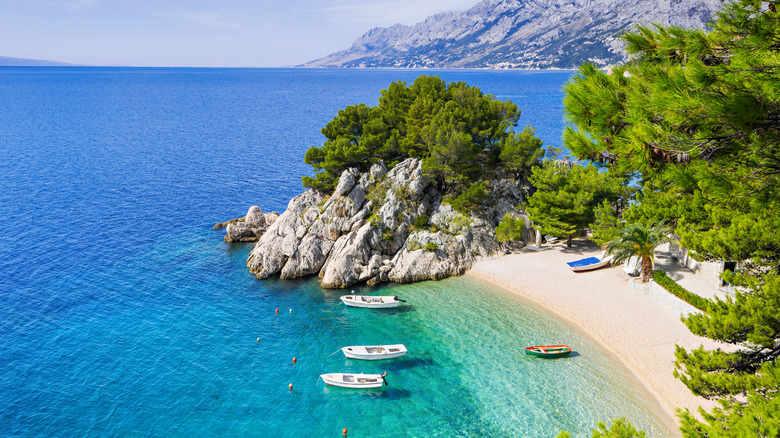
354 380
371 302
374 352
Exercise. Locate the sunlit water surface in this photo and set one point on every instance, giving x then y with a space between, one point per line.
124 314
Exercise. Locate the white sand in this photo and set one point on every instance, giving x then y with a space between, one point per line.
638 330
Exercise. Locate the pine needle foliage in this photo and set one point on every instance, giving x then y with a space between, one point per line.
606 224
510 229
457 131
567 196
697 115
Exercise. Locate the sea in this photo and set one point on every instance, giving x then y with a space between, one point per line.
123 313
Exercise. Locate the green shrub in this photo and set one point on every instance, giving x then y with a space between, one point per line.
510 229
675 289
323 182
403 193
421 221
431 246
461 222
471 199
377 194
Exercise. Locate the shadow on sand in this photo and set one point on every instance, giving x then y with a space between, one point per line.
665 261
578 247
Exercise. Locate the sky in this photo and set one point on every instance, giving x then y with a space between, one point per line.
198 33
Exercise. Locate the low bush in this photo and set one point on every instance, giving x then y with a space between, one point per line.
431 246
421 221
675 289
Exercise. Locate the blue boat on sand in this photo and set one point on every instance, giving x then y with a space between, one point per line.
590 263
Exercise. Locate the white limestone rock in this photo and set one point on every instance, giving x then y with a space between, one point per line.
352 259
347 239
251 227
274 247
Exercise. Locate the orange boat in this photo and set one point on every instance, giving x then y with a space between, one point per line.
548 350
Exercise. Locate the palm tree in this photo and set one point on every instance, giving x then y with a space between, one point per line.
640 240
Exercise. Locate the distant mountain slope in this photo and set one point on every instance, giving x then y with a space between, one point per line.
22 62
517 34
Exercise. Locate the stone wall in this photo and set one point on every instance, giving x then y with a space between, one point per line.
709 271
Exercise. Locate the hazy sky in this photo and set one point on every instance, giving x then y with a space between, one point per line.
228 33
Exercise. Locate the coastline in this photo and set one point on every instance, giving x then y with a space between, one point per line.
633 327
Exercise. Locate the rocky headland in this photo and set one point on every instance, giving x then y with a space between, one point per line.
376 227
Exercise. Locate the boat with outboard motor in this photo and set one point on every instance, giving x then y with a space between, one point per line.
354 380
371 302
374 352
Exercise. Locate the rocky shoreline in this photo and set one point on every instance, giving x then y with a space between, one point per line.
248 228
376 227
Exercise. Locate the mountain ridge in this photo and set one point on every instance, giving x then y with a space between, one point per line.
532 34
7 61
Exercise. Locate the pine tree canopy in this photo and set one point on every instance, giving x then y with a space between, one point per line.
697 116
567 196
456 130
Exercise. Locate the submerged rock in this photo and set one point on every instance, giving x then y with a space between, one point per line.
376 227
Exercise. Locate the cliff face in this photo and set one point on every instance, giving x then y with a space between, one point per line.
518 34
373 229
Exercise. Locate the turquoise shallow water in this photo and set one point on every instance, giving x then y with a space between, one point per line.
185 359
124 314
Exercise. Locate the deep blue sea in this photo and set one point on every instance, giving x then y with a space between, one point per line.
122 313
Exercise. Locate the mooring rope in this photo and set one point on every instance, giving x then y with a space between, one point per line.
332 354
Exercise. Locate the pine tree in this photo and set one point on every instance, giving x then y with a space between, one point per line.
510 229
521 152
697 116
606 224
567 195
454 128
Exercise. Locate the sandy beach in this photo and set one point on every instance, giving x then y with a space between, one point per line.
638 330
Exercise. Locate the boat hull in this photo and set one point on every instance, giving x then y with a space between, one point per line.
548 350
370 302
355 381
374 352
594 264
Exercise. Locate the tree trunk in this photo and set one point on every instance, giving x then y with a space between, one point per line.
647 269
568 241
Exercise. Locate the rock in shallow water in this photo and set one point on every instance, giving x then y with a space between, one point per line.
250 227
